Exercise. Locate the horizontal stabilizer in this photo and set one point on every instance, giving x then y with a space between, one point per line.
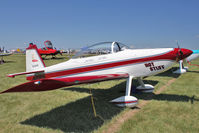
23 73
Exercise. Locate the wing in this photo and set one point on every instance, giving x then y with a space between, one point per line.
5 54
55 83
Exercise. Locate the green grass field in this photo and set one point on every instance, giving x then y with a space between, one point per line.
69 109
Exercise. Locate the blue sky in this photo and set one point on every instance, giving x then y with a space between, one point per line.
76 23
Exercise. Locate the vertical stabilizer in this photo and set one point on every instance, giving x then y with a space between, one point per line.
34 61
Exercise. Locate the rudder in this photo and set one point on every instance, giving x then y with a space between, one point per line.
34 61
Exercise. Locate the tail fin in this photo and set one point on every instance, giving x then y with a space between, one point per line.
34 61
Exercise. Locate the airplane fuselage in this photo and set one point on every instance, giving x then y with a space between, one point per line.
135 62
94 65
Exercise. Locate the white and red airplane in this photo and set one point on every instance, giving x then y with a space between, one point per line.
102 61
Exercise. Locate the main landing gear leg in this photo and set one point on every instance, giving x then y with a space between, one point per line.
127 100
185 67
181 69
144 87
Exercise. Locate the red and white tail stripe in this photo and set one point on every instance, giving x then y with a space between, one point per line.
34 61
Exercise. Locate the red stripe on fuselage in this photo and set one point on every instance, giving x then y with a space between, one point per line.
168 56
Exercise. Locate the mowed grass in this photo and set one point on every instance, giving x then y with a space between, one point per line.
173 111
70 110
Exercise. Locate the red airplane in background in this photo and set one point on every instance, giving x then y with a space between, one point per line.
49 50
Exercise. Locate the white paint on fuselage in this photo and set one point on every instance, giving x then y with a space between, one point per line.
137 69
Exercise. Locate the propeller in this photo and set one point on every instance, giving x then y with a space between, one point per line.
179 53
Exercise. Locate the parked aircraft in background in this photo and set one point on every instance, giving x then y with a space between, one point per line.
2 54
194 56
49 50
93 65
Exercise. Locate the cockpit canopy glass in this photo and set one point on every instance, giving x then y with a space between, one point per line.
100 49
48 44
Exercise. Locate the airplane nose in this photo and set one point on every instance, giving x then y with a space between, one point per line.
185 53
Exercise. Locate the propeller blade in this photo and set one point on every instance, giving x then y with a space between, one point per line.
180 53
178 44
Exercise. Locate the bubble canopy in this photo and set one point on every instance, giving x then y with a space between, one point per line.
100 49
48 44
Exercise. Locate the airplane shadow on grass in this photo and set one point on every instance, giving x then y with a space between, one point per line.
78 116
169 73
193 71
167 97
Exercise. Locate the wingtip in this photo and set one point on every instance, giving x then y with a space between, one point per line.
10 76
2 92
